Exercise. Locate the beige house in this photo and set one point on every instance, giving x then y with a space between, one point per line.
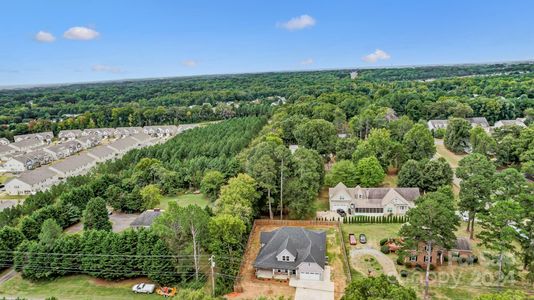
372 201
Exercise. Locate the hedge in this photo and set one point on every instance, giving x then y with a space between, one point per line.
375 219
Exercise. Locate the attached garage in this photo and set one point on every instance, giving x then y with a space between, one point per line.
335 207
310 276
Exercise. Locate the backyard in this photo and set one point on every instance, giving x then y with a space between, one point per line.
185 200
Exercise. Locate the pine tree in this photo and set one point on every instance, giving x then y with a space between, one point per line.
95 215
162 269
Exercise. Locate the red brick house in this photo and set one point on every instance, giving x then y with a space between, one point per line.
461 249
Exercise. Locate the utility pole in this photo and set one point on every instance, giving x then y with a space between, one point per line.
212 265
281 188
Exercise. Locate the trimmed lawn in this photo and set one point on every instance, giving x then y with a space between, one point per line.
322 203
390 181
185 200
76 287
452 158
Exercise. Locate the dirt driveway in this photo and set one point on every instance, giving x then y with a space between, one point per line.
254 288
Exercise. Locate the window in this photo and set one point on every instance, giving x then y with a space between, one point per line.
285 258
341 198
390 209
426 258
413 258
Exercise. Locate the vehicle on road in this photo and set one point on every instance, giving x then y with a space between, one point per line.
363 238
352 239
144 288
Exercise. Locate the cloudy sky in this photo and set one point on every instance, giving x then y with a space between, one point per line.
74 40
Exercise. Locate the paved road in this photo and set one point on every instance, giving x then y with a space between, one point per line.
8 275
388 266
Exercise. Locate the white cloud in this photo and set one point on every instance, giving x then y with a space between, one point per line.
297 23
307 62
105 69
190 63
44 37
376 56
80 33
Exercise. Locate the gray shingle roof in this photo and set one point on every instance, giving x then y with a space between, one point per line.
306 245
36 176
478 121
462 244
146 218
124 143
28 143
73 162
101 151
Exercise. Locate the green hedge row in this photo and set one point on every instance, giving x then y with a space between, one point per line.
375 219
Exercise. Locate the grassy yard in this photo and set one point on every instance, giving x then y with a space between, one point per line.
452 158
185 200
322 203
390 181
76 287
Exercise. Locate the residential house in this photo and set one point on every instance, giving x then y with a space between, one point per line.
291 252
146 218
31 182
477 121
102 153
184 127
6 152
67 135
121 132
517 122
161 131
28 161
26 145
88 141
45 137
121 146
372 201
460 252
74 165
4 141
66 149
143 139
102 133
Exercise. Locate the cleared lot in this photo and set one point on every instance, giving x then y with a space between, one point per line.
120 221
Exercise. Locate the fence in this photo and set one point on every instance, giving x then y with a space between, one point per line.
263 222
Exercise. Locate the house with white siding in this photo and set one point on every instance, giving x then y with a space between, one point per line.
74 165
65 149
502 123
88 141
28 161
45 137
161 131
71 134
31 182
120 132
26 145
102 133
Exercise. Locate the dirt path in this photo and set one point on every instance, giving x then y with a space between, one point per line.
8 275
388 266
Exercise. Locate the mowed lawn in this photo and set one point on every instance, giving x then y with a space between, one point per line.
75 287
452 158
185 200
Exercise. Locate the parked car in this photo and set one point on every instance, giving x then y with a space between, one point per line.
352 239
144 288
363 238
341 212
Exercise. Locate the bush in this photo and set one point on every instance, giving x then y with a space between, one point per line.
463 260
408 264
383 241
400 260
445 258
475 259
384 249
404 273
432 267
418 267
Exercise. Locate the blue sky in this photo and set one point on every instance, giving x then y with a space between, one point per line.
74 41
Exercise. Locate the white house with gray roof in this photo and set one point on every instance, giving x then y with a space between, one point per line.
45 137
74 165
502 123
102 153
31 182
6 152
28 161
161 131
26 145
102 133
62 150
71 134
88 141
291 252
442 124
372 201
126 131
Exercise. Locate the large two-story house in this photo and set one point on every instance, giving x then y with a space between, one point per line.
291 252
372 201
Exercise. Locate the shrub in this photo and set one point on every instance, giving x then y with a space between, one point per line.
475 259
418 267
408 264
384 249
445 258
383 241
400 260
463 260
404 273
432 267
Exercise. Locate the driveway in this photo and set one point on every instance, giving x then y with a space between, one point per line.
119 221
10 273
388 266
314 290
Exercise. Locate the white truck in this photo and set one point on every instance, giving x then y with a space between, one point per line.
144 288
